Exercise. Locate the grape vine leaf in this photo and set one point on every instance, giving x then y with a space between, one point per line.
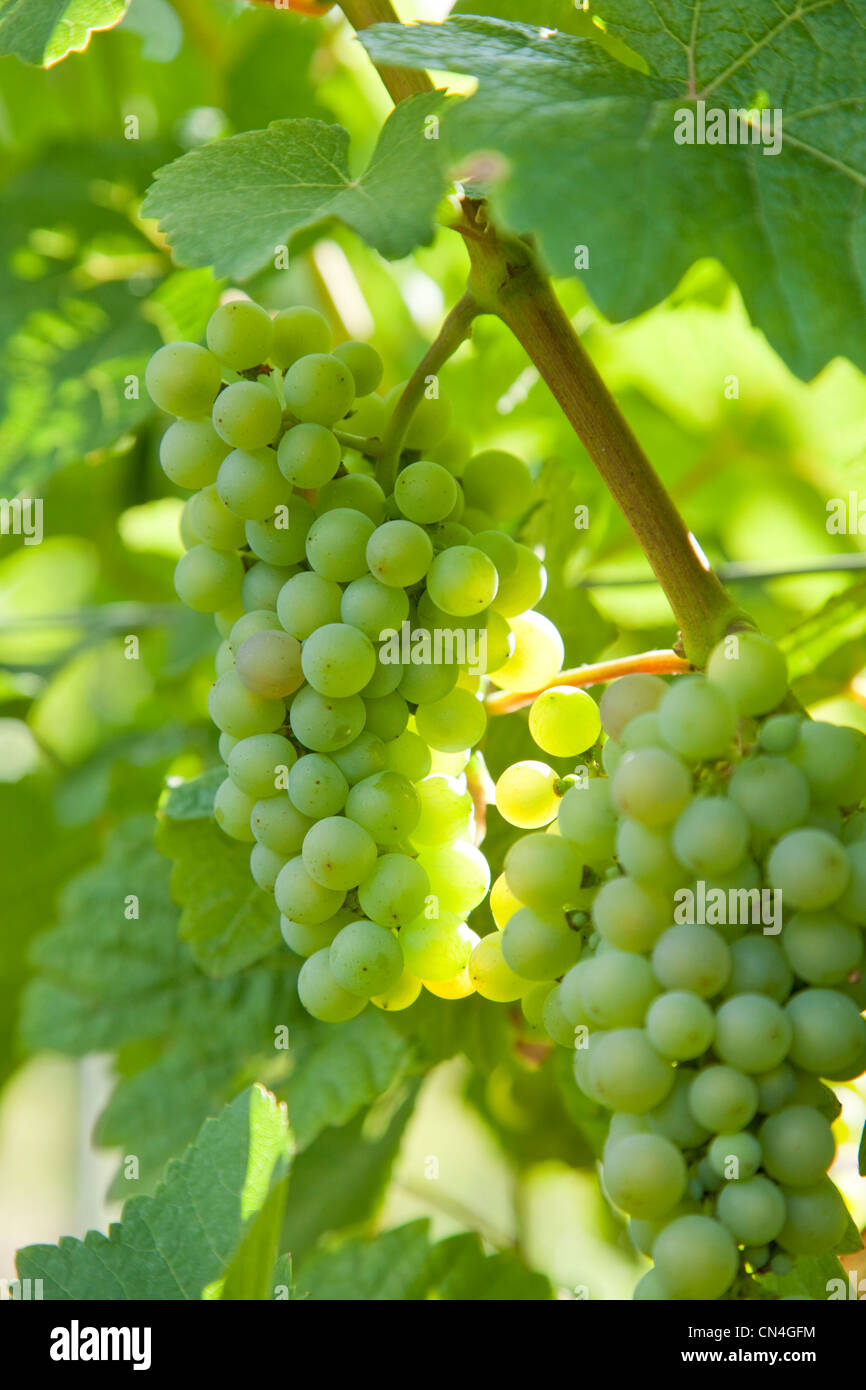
42 32
182 1242
811 1277
234 203
584 142
402 1264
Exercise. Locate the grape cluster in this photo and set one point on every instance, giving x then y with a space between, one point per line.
694 924
344 727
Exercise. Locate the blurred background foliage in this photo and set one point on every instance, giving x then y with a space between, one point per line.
88 737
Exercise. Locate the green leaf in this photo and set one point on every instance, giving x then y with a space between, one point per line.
402 1265
790 227
227 920
809 1278
185 1239
192 799
234 202
443 1028
44 31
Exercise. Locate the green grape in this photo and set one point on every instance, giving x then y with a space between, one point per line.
735 1157
223 661
225 744
490 973
189 536
526 795
693 957
501 549
424 683
393 894
250 484
462 580
320 994
453 450
324 723
355 492
455 722
538 948
537 655
775 1088
710 836
816 1219
532 1003
723 1100
269 664
337 544
543 871
372 607
758 966
259 620
240 712
445 809
385 678
855 828
281 539
797 1145
853 901
829 1034
626 1072
520 591
182 379
306 940
821 948
554 1021
338 853
771 792
626 699
614 989
409 755
436 949
696 718
810 868
695 1258
317 787
651 786
752 1210
650 1288
447 533
364 363
430 422
779 733
750 670
265 865
680 1025
401 995
361 758
319 389
297 332
247 416
498 641
232 809
833 760
255 764
190 452
262 585
386 805
240 334
564 721
398 553
459 875
425 492
646 855
301 897
645 1175
308 455
208 580
586 817
277 825
752 1033
365 959
673 1118
612 754
629 915
307 602
338 659
498 483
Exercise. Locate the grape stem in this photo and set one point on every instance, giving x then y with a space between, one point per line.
659 663
371 447
399 82
455 330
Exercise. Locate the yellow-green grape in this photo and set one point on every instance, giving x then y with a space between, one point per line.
297 332
537 655
364 363
214 523
438 948
365 958
624 699
223 661
400 996
262 584
269 664
520 591
751 670
459 987
232 809
456 722
319 389
302 898
459 875
497 641
306 940
308 455
240 334
564 721
226 618
183 379
492 977
430 421
503 903
355 492
445 809
498 483
526 795
398 553
425 492
462 580
320 994
247 415
190 452
208 580
265 865
337 544
241 712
